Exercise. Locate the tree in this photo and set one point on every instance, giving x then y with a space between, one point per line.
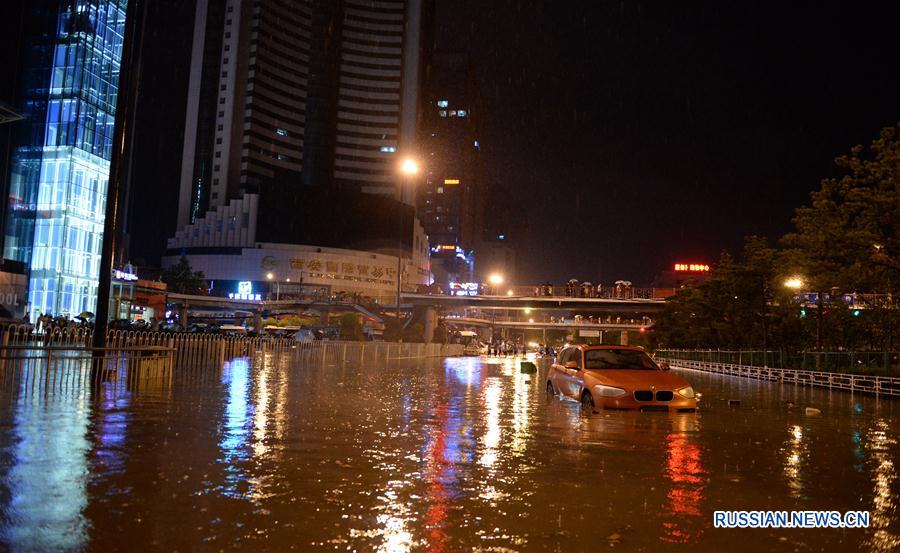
849 235
351 328
848 238
182 279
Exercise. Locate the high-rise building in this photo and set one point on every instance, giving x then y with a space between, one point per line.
318 92
296 116
450 199
60 154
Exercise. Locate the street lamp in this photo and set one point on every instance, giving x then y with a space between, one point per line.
794 283
270 276
495 280
408 168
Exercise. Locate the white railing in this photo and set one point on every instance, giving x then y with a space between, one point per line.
882 385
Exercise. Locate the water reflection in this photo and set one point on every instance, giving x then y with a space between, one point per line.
683 516
794 453
234 433
47 477
884 507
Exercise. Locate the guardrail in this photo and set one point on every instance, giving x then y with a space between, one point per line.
882 385
190 349
872 363
64 361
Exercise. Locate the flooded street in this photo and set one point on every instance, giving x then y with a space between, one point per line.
432 455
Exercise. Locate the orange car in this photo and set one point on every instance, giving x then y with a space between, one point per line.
618 377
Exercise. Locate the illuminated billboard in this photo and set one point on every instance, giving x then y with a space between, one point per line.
691 268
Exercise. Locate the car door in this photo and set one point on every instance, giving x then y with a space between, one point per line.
557 370
573 377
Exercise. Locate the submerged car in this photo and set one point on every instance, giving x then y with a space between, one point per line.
618 377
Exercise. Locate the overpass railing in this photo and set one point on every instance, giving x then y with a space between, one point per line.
602 292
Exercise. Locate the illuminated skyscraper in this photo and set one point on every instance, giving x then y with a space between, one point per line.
61 154
450 198
319 93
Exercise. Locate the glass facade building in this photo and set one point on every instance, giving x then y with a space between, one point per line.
61 156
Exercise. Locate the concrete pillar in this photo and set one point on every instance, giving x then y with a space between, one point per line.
183 315
430 323
624 338
257 321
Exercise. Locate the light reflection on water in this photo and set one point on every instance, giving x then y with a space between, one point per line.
436 456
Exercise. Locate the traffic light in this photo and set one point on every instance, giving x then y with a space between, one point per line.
803 312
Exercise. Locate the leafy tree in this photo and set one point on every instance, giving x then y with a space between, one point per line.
440 334
351 328
182 279
849 235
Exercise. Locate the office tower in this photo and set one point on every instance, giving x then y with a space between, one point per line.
60 155
317 93
450 200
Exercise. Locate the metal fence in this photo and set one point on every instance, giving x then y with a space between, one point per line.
873 363
881 385
64 361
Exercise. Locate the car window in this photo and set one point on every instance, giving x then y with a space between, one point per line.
619 359
564 356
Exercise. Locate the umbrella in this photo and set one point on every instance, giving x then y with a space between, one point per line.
85 315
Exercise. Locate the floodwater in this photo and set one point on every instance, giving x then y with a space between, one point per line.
461 454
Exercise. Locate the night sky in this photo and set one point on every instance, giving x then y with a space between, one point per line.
637 134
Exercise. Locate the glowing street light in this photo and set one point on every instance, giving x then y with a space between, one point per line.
794 283
270 276
495 279
409 166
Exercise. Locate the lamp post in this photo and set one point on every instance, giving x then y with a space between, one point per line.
408 168
270 277
495 280
796 283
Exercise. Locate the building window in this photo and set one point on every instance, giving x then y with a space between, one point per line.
222 87
215 196
228 35
388 149
440 190
282 132
218 141
221 100
215 182
219 127
221 114
227 47
218 154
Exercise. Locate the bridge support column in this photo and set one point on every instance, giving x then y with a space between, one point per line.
183 315
430 323
257 321
624 341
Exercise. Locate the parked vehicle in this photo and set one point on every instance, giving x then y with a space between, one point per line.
618 377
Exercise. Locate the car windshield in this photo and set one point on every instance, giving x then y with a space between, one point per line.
618 359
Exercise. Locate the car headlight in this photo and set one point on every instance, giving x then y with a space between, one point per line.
608 391
687 392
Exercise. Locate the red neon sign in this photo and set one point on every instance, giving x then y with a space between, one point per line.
692 267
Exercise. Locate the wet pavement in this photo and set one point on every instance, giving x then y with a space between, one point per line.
462 454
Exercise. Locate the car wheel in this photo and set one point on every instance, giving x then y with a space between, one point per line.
587 402
551 393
